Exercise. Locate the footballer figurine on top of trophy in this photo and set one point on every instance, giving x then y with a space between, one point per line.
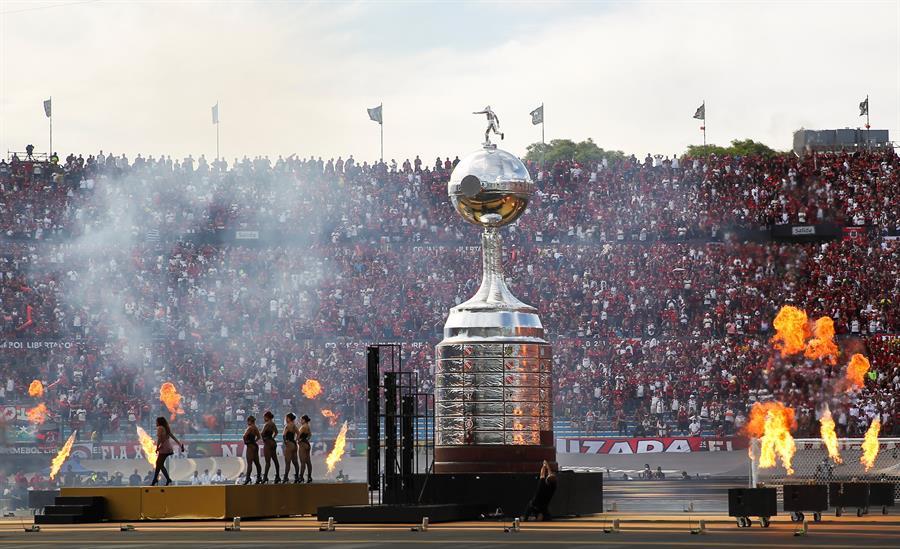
493 387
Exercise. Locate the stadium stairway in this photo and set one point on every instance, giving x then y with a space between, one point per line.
73 510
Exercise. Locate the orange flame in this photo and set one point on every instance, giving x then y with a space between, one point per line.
791 330
38 414
771 423
312 388
337 452
829 437
332 417
170 397
870 445
856 371
148 445
36 389
822 345
62 456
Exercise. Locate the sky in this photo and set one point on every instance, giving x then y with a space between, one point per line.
296 77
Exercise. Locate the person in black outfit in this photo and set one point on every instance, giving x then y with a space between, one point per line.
290 448
540 503
251 443
269 431
304 450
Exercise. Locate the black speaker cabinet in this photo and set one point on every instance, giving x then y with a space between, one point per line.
373 425
805 497
881 494
849 494
752 502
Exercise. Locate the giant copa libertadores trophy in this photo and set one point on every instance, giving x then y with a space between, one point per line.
493 390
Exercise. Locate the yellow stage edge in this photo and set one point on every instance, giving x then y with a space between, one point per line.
134 503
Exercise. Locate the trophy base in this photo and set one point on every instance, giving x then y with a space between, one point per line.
493 405
493 459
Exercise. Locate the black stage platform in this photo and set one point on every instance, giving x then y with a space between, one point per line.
468 495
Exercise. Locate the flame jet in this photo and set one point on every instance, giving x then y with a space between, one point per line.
771 423
62 456
337 452
829 437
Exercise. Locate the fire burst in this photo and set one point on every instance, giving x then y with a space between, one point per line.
332 417
170 397
791 330
870 445
62 456
829 437
338 451
822 345
771 423
856 371
37 415
312 388
147 445
36 389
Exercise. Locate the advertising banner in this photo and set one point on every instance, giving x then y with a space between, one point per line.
649 445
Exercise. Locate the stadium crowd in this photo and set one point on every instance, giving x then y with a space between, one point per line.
238 282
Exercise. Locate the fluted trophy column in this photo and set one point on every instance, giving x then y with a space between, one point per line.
493 388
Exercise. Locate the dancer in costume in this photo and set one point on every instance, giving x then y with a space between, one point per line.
251 443
269 432
304 449
290 436
165 447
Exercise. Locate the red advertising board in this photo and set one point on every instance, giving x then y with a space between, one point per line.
857 234
649 445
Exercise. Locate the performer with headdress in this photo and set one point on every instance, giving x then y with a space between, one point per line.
290 436
304 449
251 443
269 432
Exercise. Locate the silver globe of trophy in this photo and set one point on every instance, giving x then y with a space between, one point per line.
493 390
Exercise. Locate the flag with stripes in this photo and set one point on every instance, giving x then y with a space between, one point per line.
537 115
700 114
375 114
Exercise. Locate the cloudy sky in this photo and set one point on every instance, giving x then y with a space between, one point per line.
296 77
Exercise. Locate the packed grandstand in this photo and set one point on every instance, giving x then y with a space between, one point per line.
656 278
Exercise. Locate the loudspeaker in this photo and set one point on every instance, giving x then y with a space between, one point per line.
373 410
881 494
392 482
390 424
849 494
407 442
752 502
805 497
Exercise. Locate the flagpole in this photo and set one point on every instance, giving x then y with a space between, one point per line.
543 143
51 126
867 122
704 123
381 126
217 129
